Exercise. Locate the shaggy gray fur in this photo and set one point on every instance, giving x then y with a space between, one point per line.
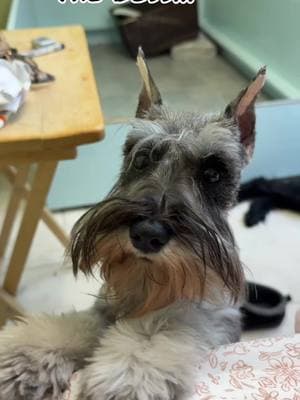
189 181
155 357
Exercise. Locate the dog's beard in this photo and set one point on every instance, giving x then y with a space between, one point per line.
136 283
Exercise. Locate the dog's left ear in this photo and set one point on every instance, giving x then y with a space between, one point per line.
243 112
149 95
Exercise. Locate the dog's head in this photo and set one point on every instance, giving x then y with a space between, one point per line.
161 234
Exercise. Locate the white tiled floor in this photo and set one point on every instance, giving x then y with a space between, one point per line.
271 252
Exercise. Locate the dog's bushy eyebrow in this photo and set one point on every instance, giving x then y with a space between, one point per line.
141 132
129 144
220 158
146 145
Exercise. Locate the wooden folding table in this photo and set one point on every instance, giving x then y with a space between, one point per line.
55 119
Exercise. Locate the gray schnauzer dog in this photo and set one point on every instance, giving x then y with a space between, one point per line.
173 280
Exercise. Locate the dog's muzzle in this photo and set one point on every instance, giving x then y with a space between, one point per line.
149 236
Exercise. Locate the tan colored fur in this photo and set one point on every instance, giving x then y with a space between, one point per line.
150 283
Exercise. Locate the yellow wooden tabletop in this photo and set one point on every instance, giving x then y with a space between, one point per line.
65 113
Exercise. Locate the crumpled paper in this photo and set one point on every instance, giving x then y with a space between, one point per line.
15 82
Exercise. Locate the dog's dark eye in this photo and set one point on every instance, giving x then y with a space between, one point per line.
211 175
141 161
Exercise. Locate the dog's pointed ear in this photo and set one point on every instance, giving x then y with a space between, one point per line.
149 95
243 112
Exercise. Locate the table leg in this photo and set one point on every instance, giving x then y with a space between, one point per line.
46 216
55 228
32 214
13 205
9 308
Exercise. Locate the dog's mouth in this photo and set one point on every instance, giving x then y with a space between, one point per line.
153 261
146 259
140 283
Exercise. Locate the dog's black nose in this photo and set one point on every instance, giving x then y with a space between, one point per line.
149 236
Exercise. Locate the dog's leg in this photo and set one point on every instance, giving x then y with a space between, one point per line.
39 354
143 360
156 357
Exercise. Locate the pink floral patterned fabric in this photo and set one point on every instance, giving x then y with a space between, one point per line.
264 369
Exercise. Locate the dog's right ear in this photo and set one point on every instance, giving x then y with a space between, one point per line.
242 111
149 95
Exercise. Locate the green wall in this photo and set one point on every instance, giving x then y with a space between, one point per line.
259 32
95 18
4 9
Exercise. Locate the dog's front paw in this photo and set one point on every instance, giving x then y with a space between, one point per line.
133 364
131 389
33 374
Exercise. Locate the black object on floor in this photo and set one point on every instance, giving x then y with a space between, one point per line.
270 194
155 27
264 307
